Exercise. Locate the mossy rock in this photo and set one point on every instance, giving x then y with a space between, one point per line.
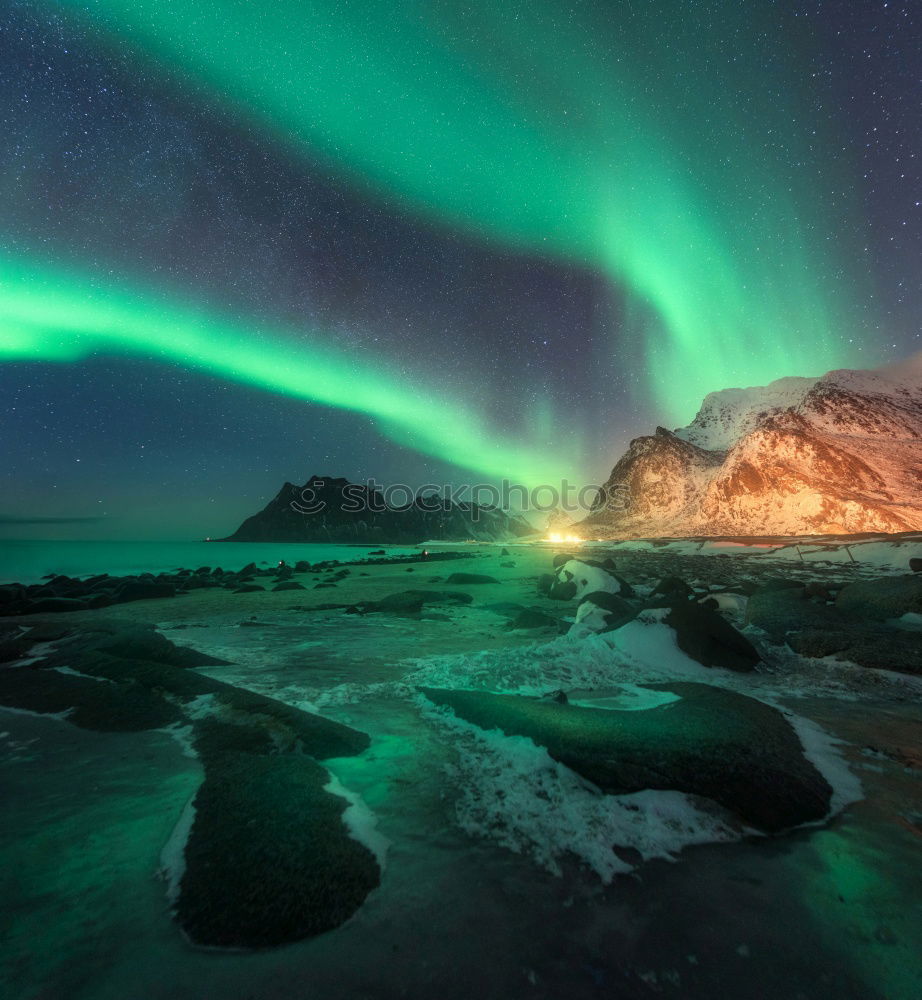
269 860
316 735
92 704
715 743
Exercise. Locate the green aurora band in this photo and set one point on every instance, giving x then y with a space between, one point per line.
49 315
659 154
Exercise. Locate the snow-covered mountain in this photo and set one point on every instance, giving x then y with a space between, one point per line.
837 454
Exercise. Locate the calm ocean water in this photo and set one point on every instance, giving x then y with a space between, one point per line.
29 561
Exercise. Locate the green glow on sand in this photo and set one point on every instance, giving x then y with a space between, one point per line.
668 153
51 315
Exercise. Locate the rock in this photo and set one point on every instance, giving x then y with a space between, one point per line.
817 591
48 604
410 602
248 570
269 859
90 704
545 582
706 637
143 590
315 735
883 597
284 573
563 590
724 746
578 577
507 565
602 612
877 648
140 643
781 611
672 586
302 566
915 565
321 586
504 552
249 588
466 579
529 619
289 585
14 649
47 631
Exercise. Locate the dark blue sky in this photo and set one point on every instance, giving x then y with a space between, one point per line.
118 166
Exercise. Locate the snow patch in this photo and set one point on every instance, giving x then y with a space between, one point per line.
360 821
512 791
173 856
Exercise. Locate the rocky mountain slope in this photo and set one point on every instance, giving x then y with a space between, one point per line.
838 454
334 510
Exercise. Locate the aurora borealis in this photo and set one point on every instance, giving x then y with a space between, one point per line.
432 240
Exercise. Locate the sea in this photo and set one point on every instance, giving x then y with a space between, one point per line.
28 561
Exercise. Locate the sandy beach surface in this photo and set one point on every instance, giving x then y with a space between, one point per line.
495 882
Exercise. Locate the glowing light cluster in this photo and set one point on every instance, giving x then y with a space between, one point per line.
556 537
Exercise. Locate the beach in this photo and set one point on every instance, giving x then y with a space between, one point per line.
500 871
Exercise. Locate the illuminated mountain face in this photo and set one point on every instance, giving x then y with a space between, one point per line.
835 455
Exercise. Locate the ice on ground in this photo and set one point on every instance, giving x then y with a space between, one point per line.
728 601
629 698
360 821
70 672
173 855
511 791
821 750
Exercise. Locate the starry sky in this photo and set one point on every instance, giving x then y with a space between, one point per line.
427 242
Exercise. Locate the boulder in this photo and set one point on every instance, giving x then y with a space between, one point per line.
142 590
89 703
703 635
672 586
44 605
715 743
143 643
883 597
601 612
577 578
783 610
530 619
269 859
876 648
410 602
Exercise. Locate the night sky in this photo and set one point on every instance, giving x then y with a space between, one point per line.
427 242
